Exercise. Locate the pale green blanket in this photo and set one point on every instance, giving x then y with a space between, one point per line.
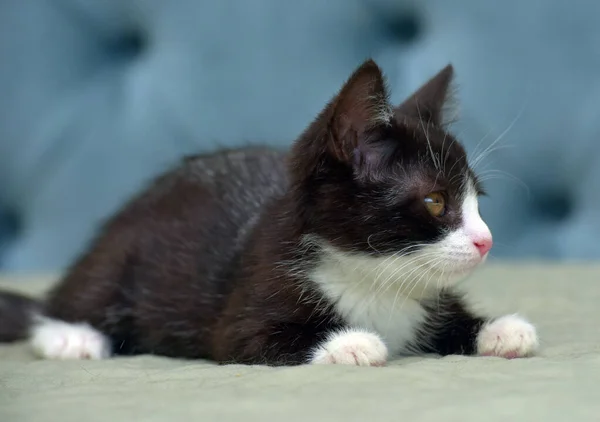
562 384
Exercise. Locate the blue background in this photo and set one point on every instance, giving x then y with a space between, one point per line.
97 96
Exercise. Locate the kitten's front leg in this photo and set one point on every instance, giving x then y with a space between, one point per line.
351 347
290 342
452 329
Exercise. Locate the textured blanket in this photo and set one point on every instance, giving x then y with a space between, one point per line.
561 384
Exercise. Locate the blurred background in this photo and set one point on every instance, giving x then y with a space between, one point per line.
98 96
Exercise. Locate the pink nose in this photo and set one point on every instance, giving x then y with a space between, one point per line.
483 245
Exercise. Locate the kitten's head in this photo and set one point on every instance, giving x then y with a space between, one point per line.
388 184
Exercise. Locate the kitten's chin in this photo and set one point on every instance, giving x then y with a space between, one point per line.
451 273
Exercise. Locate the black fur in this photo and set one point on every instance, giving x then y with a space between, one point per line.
16 312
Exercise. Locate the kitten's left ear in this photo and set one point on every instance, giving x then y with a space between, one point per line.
344 128
432 102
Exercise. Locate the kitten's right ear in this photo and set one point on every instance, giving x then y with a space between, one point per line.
432 102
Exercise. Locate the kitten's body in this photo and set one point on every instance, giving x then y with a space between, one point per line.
325 254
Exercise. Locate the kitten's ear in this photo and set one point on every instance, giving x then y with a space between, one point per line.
343 128
361 105
432 102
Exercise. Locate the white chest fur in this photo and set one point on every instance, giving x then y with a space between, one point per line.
374 294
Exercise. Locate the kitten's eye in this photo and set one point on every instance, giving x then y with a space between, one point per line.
435 204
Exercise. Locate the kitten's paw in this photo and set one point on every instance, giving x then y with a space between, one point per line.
352 347
52 339
509 337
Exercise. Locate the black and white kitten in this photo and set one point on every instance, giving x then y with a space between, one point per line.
345 250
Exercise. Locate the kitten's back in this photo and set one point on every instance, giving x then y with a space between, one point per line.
218 197
229 189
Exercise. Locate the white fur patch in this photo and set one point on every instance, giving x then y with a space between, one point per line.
53 339
352 347
473 224
369 294
509 336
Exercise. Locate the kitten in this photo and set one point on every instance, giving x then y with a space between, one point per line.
345 250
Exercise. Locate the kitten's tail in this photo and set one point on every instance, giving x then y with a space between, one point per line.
16 316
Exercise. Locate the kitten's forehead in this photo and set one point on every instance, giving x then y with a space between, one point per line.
432 156
430 140
441 149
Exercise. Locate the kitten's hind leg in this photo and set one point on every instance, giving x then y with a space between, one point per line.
54 339
90 310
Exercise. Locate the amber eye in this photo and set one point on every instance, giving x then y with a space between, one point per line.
435 204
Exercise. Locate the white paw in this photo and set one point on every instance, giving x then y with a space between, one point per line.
509 337
352 347
52 339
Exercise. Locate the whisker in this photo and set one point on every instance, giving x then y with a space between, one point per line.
475 150
399 289
486 152
427 137
393 277
417 258
414 283
500 174
430 263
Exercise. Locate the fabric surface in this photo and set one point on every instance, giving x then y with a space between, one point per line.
99 96
558 385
